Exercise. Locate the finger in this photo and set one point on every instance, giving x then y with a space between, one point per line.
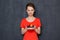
34 26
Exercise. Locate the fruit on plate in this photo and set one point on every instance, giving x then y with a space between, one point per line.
30 26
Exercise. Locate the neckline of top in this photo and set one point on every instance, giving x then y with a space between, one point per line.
32 21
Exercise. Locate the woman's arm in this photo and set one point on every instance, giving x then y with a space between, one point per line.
23 30
38 30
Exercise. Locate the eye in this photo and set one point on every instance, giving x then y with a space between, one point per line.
32 10
28 10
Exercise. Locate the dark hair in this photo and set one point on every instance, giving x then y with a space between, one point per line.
31 5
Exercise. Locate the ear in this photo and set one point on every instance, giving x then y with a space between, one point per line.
34 11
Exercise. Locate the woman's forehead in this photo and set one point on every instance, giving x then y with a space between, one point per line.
29 7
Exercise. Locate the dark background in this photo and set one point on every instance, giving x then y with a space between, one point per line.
12 11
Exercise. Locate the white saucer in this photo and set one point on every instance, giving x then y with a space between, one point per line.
30 28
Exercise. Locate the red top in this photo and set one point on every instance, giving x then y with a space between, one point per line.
30 34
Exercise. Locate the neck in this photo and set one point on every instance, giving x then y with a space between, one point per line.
30 16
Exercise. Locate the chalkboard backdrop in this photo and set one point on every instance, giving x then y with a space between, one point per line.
12 11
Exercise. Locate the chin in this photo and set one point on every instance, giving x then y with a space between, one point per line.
30 15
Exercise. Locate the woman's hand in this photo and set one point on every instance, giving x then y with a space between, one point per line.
34 27
37 30
23 30
26 28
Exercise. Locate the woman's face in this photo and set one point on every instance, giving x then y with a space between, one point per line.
30 11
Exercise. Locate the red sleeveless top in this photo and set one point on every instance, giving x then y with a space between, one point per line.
30 34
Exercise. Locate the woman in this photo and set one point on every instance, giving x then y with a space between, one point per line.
30 26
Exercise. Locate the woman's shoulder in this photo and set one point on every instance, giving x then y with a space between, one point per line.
37 18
